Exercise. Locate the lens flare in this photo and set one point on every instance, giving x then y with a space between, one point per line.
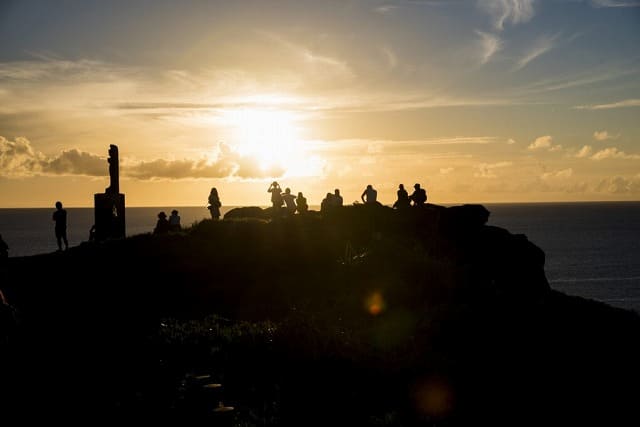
375 304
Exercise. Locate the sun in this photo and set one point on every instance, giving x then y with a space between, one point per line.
270 136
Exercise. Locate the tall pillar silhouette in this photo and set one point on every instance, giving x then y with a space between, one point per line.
109 206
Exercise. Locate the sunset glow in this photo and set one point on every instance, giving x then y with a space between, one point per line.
480 101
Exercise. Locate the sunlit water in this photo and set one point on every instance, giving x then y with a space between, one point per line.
592 249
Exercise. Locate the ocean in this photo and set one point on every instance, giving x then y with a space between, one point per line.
592 249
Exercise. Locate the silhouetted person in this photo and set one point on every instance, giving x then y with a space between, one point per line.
8 320
403 198
4 250
162 226
289 201
214 204
369 195
276 195
60 217
301 204
92 233
419 196
337 199
327 203
174 221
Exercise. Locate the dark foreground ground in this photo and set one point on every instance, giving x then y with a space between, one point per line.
367 316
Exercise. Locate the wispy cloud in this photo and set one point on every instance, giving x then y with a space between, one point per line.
615 3
489 45
508 11
614 153
487 170
620 104
603 136
541 46
562 174
385 8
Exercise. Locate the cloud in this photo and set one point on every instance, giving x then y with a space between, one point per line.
615 3
508 11
613 153
542 142
75 162
511 141
18 159
562 174
445 171
620 104
486 170
603 135
541 46
489 45
620 185
584 152
385 8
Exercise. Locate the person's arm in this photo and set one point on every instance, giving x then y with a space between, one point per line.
362 196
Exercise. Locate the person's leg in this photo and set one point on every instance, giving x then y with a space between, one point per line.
59 239
66 242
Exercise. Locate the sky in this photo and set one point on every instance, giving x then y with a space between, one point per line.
479 101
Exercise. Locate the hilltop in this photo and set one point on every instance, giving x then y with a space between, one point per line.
362 316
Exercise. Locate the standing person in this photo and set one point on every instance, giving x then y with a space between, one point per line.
289 201
276 195
337 199
214 204
60 217
174 221
403 198
327 203
301 204
369 195
419 196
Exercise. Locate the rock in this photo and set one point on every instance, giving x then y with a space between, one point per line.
246 212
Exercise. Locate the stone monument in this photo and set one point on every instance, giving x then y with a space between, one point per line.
109 206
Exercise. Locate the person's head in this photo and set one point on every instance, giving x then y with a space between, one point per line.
329 195
275 183
58 205
174 212
369 187
401 186
337 192
287 190
300 194
214 191
162 215
417 186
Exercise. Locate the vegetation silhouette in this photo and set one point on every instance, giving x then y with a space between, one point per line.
367 316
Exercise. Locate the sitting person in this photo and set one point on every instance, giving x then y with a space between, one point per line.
337 199
301 204
419 196
162 226
403 198
174 221
369 195
289 201
327 203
